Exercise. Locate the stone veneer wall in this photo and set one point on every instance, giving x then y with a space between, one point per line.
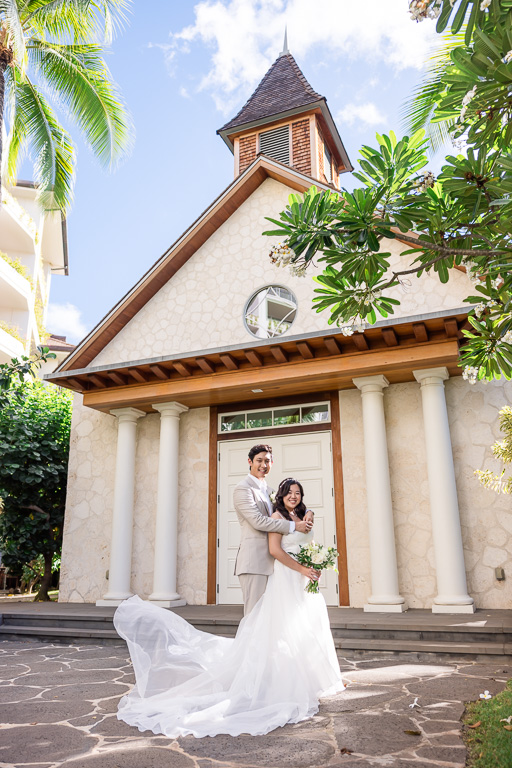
202 306
485 517
87 529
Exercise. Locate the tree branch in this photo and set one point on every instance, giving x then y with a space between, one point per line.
426 246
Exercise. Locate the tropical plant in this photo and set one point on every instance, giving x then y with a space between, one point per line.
461 218
502 450
35 422
51 53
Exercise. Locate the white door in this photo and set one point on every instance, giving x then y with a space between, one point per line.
305 456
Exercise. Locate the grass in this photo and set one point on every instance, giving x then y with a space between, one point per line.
489 745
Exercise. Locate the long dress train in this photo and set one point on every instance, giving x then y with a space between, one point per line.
273 672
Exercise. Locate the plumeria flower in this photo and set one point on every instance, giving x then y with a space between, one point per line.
507 57
484 4
507 337
470 374
486 694
507 720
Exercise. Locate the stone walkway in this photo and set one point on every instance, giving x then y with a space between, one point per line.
58 705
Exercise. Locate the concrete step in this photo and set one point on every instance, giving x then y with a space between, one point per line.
424 646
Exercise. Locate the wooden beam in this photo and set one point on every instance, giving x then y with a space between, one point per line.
230 362
279 354
182 368
253 357
360 341
118 378
98 381
390 337
205 365
305 350
332 346
211 568
298 377
451 327
77 384
420 332
138 375
160 373
339 499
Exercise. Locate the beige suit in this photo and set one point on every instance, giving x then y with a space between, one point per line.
254 563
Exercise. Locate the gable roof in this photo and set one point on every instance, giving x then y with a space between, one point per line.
284 87
182 250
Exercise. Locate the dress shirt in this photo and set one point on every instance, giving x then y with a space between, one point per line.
262 485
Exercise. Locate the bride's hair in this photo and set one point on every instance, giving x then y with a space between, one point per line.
284 490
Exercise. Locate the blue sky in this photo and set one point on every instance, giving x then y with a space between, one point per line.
184 68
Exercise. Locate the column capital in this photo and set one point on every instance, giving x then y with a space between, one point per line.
431 376
127 414
371 383
172 408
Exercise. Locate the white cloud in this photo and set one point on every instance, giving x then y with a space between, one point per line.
65 320
245 37
367 113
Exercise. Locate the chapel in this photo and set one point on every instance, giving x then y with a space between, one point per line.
210 353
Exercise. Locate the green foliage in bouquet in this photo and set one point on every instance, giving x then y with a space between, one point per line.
320 558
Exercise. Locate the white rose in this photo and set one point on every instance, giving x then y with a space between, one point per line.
317 558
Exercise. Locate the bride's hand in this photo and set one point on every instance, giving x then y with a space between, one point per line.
311 573
303 526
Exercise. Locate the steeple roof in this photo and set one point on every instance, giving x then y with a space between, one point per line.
283 88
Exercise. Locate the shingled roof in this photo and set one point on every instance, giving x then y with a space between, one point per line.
284 87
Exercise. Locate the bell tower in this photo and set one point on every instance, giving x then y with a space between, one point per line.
286 120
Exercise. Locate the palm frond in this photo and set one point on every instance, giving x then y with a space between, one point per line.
418 110
80 20
17 136
51 143
78 75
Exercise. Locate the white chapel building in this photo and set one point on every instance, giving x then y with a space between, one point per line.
215 349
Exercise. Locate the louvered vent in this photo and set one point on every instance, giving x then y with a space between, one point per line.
276 144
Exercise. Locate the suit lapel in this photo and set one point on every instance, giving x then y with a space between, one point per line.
259 496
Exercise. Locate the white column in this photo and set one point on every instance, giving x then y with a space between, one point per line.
444 507
384 574
122 517
166 533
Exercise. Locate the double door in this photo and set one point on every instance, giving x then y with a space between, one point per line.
308 458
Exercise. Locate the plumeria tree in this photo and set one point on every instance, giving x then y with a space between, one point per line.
51 55
461 219
502 450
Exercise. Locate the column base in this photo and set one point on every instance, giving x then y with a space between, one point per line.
453 608
385 608
168 603
112 600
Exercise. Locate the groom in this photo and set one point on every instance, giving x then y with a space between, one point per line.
254 564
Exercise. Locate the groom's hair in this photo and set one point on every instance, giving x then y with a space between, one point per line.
259 449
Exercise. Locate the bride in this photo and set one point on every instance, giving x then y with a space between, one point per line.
272 673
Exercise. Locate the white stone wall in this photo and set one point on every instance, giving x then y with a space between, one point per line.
486 518
87 529
202 306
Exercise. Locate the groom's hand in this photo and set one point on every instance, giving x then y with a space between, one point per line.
303 526
310 515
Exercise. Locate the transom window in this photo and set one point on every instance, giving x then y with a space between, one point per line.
284 416
270 312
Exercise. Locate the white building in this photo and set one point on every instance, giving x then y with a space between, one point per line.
33 247
215 350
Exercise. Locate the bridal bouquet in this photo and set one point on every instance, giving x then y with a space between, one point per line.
320 558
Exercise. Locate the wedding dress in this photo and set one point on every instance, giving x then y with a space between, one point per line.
272 673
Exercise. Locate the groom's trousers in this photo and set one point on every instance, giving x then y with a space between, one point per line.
253 586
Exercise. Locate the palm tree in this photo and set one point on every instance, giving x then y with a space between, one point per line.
51 54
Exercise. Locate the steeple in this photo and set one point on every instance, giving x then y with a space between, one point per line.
287 120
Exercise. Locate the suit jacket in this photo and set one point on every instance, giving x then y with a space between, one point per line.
255 523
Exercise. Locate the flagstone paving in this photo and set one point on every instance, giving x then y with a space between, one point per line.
58 707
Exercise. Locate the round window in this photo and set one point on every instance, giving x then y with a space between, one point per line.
270 312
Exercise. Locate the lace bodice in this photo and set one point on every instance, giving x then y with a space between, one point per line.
292 542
